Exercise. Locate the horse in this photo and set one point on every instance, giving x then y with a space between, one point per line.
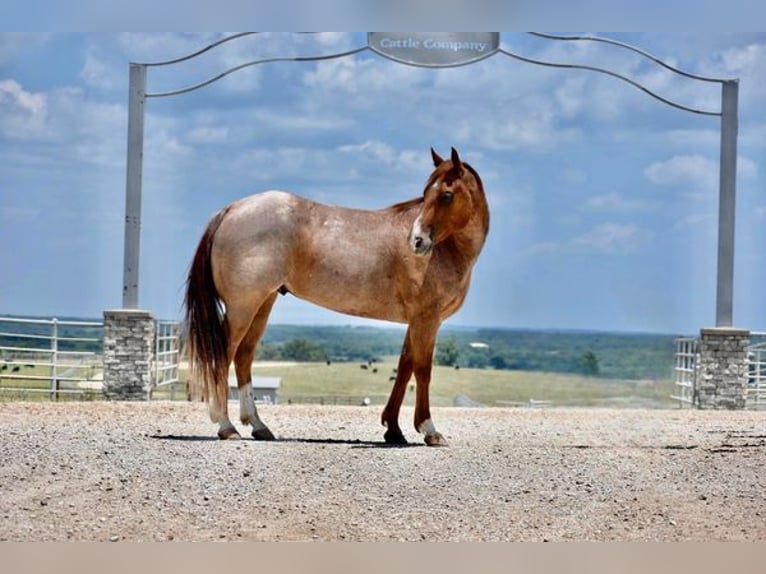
408 263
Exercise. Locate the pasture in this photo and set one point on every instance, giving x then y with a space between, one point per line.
349 384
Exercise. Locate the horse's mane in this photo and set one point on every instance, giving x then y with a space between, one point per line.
405 206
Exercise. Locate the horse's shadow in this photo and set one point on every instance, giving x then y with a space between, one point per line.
353 443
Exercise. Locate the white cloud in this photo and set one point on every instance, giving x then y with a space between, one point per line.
388 155
699 172
533 125
746 61
23 114
82 129
367 83
312 122
99 74
695 170
612 238
376 149
614 202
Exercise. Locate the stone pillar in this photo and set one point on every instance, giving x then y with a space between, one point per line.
722 374
128 354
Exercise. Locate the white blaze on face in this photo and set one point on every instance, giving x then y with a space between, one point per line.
420 237
417 236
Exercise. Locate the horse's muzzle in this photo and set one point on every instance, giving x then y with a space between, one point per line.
421 238
421 243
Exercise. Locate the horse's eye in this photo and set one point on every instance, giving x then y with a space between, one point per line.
446 197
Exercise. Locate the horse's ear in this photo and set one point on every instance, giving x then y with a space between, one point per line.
436 157
456 159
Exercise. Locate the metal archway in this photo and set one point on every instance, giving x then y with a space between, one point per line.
439 50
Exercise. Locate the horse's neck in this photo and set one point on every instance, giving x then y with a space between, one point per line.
468 242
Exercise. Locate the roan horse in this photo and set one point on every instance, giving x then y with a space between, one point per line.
409 263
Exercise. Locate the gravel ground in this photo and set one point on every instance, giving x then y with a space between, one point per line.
154 471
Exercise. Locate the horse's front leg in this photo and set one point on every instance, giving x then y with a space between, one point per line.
390 416
423 341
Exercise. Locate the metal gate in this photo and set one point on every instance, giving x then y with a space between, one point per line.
687 358
756 379
686 371
167 354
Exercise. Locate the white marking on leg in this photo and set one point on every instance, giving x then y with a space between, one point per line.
246 403
248 412
427 427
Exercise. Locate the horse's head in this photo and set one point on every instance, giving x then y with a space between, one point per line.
448 203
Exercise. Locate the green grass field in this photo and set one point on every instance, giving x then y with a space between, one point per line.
348 383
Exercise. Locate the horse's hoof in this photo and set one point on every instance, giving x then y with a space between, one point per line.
262 434
229 434
394 437
436 439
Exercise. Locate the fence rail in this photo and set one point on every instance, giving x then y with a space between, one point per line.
68 356
65 353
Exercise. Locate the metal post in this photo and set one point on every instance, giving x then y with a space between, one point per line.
727 203
54 359
136 113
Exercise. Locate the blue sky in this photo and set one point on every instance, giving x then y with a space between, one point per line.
604 201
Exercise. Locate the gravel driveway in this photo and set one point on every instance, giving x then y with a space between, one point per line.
154 471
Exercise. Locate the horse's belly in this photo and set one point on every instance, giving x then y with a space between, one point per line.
356 300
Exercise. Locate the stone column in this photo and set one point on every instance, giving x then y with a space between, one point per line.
722 374
128 354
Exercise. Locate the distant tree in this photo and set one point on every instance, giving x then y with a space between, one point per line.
498 362
447 353
589 363
303 350
269 352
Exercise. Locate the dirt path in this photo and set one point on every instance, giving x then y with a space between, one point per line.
153 471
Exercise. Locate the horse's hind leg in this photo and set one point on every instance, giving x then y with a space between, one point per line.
243 360
236 323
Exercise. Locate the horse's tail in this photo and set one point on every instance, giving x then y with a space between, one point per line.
207 340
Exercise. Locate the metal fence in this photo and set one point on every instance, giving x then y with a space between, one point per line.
53 356
687 358
167 354
64 359
756 371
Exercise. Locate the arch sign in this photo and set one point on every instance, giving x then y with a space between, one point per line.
443 50
434 49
